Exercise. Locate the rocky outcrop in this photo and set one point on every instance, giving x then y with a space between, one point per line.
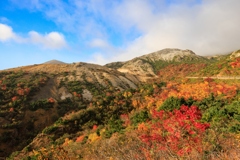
235 54
143 67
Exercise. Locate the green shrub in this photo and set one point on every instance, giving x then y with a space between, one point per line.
140 117
44 104
172 103
114 125
50 129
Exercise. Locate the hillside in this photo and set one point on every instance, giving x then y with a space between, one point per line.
144 108
148 66
33 97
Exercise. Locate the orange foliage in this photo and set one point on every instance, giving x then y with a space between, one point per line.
51 100
76 94
80 138
197 91
142 127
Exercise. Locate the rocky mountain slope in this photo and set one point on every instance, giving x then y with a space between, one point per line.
148 65
34 97
84 72
46 104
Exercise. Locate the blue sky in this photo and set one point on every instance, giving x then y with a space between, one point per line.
102 31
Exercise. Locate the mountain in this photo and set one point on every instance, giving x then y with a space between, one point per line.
33 97
80 110
148 66
54 62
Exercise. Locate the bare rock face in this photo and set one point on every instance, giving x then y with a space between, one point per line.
235 54
143 67
87 95
168 54
64 94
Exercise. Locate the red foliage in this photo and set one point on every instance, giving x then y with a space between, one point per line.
4 87
108 94
236 63
125 118
23 91
180 131
20 92
19 84
11 109
208 80
51 100
26 91
14 98
94 127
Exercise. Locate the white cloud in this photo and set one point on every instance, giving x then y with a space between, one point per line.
98 43
204 26
98 58
6 33
53 40
207 28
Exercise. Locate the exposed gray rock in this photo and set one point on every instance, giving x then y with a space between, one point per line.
87 95
235 54
64 94
143 68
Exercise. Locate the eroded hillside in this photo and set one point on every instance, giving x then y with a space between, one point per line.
148 66
34 97
86 111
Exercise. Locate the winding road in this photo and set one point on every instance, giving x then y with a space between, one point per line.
218 77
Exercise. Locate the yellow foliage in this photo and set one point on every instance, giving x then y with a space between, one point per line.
93 137
102 131
142 127
127 94
67 142
35 152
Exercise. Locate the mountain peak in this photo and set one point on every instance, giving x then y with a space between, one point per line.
148 65
168 54
54 61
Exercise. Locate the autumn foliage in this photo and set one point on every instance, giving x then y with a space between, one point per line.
236 63
197 91
179 131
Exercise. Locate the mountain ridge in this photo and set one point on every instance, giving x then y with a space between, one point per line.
147 65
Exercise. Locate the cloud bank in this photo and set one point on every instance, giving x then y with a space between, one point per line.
125 29
52 40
